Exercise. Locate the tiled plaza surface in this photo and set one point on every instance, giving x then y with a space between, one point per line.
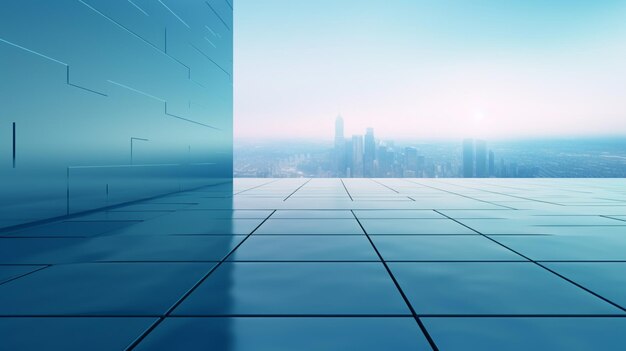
327 264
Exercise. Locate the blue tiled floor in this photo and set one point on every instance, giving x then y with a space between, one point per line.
287 334
327 264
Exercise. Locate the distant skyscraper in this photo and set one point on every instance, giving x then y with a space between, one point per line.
369 153
492 164
385 161
348 157
410 160
340 144
357 156
481 159
468 158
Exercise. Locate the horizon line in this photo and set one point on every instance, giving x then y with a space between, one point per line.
440 139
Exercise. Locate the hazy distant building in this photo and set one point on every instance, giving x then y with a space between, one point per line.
385 161
492 164
357 156
369 153
512 170
481 170
339 152
410 161
421 166
348 157
468 158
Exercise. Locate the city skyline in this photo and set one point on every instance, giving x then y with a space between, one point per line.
512 69
365 155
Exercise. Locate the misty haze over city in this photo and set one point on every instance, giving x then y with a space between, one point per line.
538 87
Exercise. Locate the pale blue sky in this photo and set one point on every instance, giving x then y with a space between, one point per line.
430 69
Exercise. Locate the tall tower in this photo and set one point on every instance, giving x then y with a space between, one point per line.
340 144
357 156
481 159
468 158
369 154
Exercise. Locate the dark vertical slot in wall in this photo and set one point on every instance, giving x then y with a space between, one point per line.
14 151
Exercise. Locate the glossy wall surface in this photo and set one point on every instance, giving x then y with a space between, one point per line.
109 101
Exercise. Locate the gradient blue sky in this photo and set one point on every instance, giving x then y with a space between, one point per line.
430 69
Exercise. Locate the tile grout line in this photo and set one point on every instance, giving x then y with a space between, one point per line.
503 194
461 195
539 264
300 187
404 297
25 274
390 188
143 335
613 218
346 189
255 187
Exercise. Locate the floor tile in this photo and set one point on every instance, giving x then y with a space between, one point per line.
71 334
120 216
157 248
312 214
18 250
295 289
71 229
597 247
227 214
607 279
522 334
398 214
414 226
483 214
9 272
102 289
515 288
190 222
286 334
441 248
146 206
305 248
310 226
531 226
117 248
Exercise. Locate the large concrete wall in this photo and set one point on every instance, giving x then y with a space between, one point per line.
112 101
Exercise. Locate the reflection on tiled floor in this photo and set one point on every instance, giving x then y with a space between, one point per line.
327 264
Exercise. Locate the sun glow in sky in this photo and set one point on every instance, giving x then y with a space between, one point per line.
430 69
